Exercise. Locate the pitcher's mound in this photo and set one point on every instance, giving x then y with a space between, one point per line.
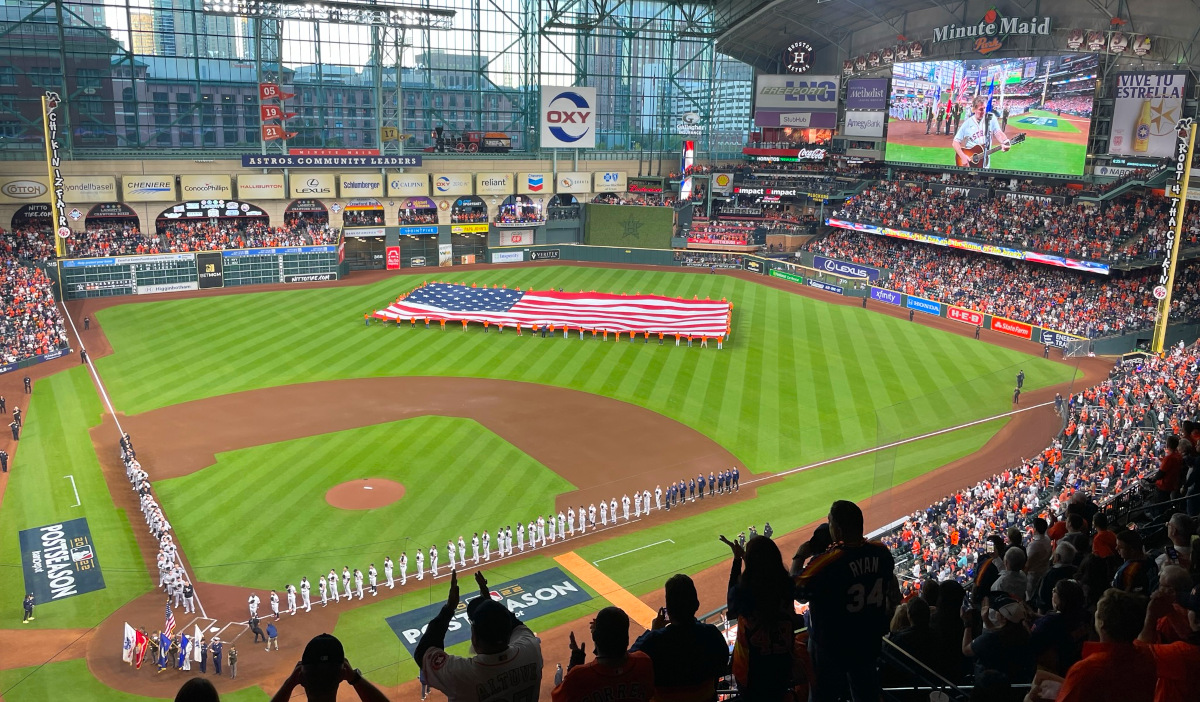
368 493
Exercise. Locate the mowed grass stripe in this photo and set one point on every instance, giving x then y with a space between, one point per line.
788 376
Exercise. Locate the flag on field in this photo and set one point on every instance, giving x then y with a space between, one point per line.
170 626
991 91
583 310
197 639
127 647
140 643
164 649
184 662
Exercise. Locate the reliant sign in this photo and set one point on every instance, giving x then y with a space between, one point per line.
991 31
494 184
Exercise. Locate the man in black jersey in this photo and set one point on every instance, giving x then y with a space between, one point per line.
851 589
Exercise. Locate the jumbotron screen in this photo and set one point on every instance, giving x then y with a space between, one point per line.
1013 114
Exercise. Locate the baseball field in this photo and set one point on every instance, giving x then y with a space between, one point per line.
261 415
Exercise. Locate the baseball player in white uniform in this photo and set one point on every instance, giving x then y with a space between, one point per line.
291 599
275 604
550 528
625 506
373 579
541 522
508 540
306 593
433 560
646 502
358 582
403 563
521 537
253 602
612 509
323 589
637 504
487 546
532 534
346 583
658 496
562 525
420 564
604 513
387 572
475 548
450 553
462 551
333 587
571 521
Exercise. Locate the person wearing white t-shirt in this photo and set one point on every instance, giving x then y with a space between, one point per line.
507 664
979 129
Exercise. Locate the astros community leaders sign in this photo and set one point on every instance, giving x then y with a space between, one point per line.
528 597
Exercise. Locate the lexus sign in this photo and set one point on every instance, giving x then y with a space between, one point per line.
568 117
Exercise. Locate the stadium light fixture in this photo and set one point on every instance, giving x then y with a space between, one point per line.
369 14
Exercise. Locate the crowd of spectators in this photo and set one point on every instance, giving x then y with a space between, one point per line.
520 215
634 199
1079 105
362 218
1056 298
31 324
469 216
1129 227
33 243
726 232
425 216
563 212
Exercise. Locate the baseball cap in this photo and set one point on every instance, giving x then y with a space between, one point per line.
1191 600
490 619
323 650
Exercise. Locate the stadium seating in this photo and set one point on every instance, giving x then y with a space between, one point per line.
31 324
103 240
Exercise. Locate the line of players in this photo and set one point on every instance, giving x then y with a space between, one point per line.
540 532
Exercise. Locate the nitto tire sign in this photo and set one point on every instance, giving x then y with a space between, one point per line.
568 117
59 560
309 278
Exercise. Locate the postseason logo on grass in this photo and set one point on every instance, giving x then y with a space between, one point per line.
527 597
59 561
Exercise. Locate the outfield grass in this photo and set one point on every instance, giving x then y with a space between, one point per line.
435 458
54 444
1064 126
799 380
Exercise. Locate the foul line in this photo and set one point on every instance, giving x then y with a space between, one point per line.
894 444
120 431
607 588
78 501
639 548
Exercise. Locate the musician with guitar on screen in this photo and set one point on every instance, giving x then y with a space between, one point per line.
973 142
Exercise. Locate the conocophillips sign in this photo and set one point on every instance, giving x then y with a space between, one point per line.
568 117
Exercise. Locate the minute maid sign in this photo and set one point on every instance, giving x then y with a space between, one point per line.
991 31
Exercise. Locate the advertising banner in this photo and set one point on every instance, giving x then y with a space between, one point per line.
417 262
361 185
508 256
210 270
167 288
494 184
532 183
850 270
959 314
1011 327
126 285
78 189
149 188
885 295
393 258
754 265
309 277
721 183
21 189
468 228
60 561
609 182
804 101
545 255
568 117
360 232
206 187
864 124
452 184
573 182
1145 110
408 184
418 230
311 185
328 161
516 237
528 597
445 255
1034 197
786 275
920 304
866 94
1058 339
826 286
259 186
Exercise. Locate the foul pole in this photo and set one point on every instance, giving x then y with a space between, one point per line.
58 209
1185 142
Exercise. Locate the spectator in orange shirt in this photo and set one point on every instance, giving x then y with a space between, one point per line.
1104 543
615 675
1178 663
1169 478
1113 669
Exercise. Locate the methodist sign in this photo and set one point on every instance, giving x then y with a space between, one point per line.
796 101
568 117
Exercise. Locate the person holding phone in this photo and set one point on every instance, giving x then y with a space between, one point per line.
688 655
321 671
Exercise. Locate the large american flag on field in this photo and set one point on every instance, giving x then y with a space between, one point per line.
169 628
581 310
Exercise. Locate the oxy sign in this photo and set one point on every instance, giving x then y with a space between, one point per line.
568 117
